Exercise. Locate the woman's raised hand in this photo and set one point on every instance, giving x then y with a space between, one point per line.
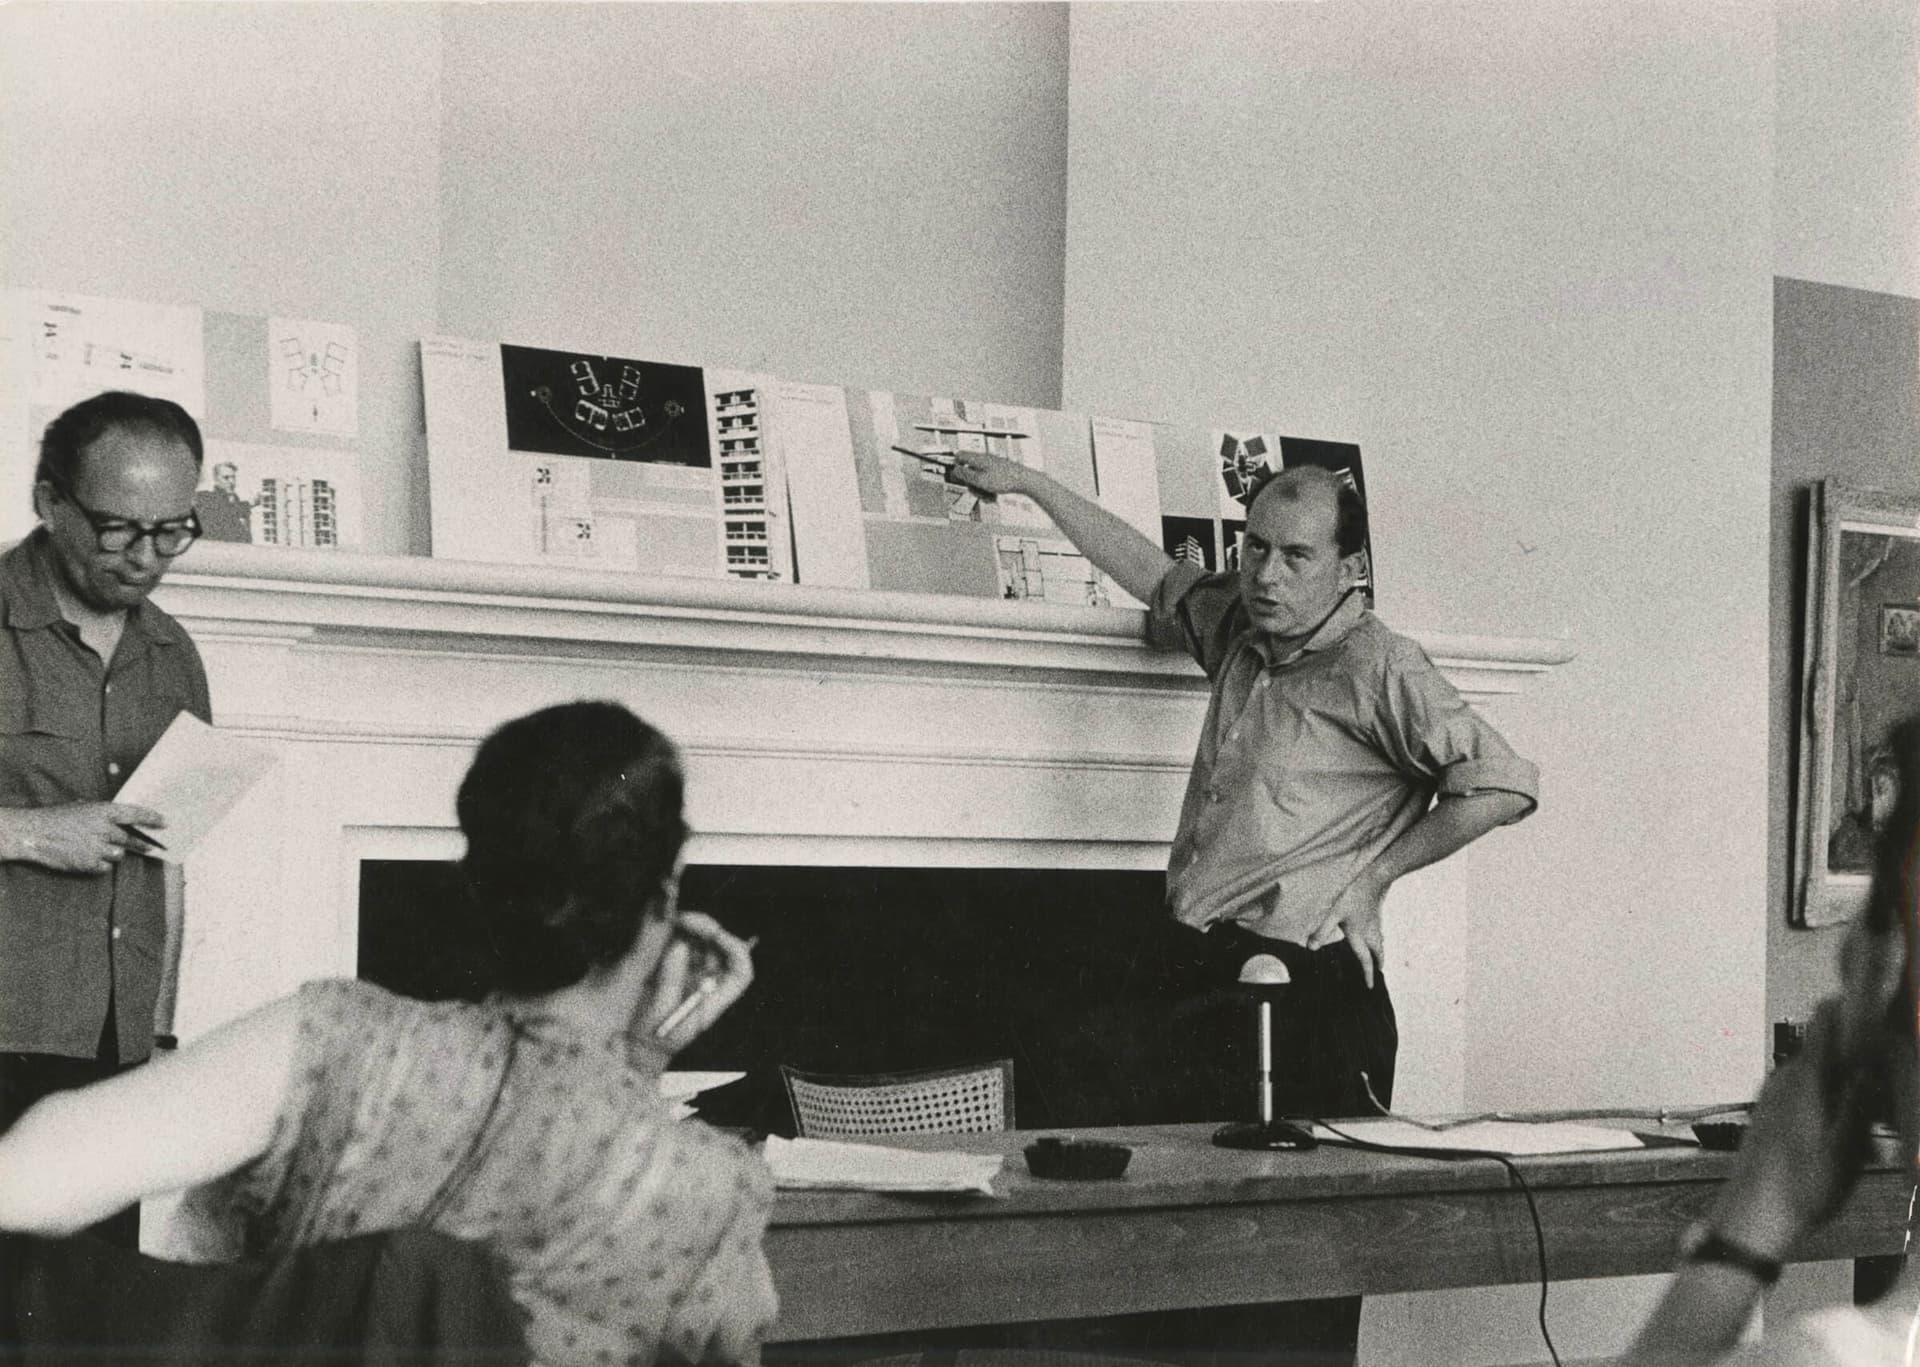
703 971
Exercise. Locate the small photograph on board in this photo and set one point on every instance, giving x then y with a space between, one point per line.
1047 569
567 403
1232 533
1189 540
1900 629
1246 459
223 514
752 489
279 496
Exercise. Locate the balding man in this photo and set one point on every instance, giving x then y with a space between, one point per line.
91 674
1335 758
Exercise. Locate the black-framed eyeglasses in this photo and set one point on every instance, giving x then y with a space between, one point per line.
119 534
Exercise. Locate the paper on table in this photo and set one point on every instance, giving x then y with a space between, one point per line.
1494 1136
828 1165
193 776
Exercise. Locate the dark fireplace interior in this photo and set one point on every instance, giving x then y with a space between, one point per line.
864 970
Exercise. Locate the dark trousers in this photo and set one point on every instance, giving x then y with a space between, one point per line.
26 1078
1333 1037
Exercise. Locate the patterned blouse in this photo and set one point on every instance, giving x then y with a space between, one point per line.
628 1237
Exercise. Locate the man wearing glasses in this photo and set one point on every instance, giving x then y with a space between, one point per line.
91 674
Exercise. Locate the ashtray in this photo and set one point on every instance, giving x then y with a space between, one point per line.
1078 1160
1720 1134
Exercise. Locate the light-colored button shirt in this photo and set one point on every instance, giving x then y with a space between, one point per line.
1310 764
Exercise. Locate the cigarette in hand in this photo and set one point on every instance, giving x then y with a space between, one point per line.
709 984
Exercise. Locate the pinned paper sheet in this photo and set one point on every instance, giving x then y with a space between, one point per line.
313 374
193 776
1509 1137
828 1165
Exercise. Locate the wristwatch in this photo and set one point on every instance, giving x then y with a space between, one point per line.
1703 1244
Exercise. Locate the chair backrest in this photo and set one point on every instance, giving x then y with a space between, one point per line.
975 1098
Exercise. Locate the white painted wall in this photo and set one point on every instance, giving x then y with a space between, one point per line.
1846 189
251 159
853 194
861 194
1521 254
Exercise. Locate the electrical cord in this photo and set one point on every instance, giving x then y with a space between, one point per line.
1343 1140
1450 1155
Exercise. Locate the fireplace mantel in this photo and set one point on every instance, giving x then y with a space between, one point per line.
314 601
821 726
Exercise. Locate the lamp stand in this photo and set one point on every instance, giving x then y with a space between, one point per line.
1266 1132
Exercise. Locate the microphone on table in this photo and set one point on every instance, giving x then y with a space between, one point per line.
1265 974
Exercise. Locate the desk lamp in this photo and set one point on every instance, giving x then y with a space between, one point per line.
1265 975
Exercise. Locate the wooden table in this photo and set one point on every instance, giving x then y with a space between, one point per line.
1193 1225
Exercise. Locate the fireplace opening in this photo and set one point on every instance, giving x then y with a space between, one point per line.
864 970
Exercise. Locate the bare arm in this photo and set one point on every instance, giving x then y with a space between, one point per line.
1453 823
1135 563
186 1118
1800 1158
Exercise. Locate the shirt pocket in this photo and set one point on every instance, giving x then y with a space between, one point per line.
43 756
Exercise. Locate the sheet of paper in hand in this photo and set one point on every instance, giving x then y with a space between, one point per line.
193 776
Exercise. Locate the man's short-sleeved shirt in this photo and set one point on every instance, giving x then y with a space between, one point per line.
1312 763
72 729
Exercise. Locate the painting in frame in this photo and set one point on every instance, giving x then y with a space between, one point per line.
1861 677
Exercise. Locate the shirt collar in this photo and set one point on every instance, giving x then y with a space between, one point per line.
1330 633
26 585
24 580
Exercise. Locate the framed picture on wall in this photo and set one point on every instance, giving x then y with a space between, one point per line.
1900 629
1860 678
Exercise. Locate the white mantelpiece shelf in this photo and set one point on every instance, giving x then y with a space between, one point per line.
311 599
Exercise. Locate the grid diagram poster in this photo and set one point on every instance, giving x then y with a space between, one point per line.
924 532
620 463
565 403
541 456
283 393
313 373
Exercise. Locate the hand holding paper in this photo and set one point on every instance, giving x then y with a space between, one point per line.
192 777
78 837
